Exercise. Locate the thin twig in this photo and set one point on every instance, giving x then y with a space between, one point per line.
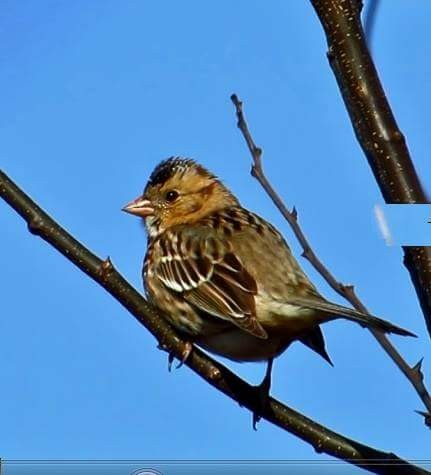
103 272
413 374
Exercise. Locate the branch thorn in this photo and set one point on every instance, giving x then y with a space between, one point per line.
306 253
348 288
35 224
237 103
417 368
427 417
106 268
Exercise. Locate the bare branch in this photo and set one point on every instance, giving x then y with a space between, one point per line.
414 375
375 127
103 272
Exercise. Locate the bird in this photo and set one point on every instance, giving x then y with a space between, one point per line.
224 277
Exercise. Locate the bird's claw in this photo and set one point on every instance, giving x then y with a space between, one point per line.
188 347
261 401
261 397
171 358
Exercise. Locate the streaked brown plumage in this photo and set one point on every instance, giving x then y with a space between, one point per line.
224 276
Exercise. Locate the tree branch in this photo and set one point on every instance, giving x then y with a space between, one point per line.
413 374
103 272
375 127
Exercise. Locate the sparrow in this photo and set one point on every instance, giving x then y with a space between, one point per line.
224 277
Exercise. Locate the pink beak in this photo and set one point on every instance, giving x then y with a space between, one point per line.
139 207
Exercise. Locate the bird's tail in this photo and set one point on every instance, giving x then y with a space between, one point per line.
374 322
353 315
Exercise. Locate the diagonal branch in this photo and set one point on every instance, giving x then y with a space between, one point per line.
375 126
103 272
413 374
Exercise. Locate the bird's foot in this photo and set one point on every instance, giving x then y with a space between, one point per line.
188 347
261 400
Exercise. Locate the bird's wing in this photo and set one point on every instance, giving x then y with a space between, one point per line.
209 276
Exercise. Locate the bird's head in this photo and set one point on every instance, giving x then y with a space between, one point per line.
179 191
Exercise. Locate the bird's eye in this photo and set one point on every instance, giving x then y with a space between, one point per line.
171 195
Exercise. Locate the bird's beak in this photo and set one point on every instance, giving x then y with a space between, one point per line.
140 207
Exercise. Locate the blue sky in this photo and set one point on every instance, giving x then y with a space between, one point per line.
93 95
